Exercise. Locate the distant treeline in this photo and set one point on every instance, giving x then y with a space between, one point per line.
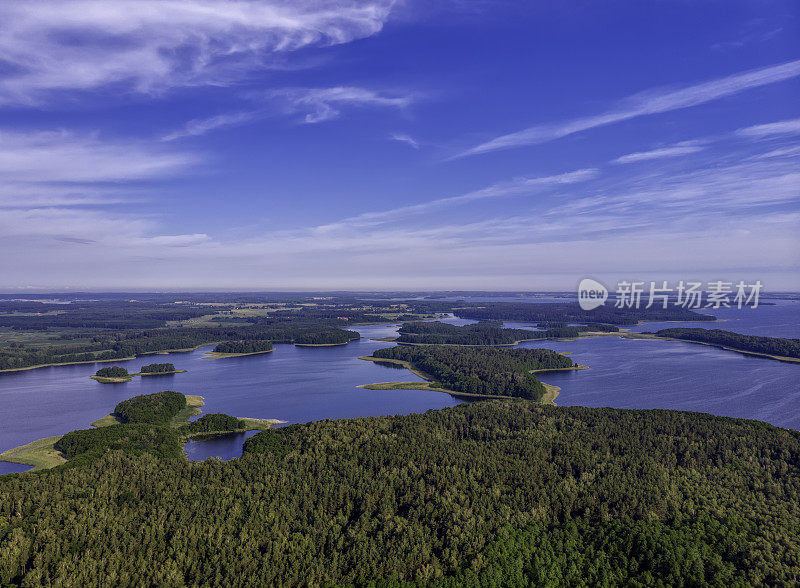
243 347
486 371
571 312
117 314
154 409
155 368
482 333
112 372
486 333
756 344
122 344
505 493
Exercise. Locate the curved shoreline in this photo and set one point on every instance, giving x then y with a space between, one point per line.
323 344
551 391
44 365
220 355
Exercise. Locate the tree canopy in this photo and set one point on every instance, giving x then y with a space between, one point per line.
486 371
154 409
506 492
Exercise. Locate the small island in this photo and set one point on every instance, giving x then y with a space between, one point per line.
475 372
158 369
240 348
112 375
326 338
116 374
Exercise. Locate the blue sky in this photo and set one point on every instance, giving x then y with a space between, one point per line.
371 144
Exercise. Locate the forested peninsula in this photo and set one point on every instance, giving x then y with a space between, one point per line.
479 371
507 492
489 332
769 346
154 424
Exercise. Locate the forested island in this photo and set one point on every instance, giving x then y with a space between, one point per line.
488 493
769 346
479 371
488 332
326 337
112 374
236 348
155 369
116 374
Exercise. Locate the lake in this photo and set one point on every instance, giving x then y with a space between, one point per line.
301 384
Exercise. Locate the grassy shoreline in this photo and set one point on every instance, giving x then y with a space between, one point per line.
44 365
129 377
159 352
218 355
41 454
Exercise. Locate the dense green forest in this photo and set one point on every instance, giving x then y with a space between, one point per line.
482 333
571 312
243 347
489 493
754 343
112 372
88 445
327 337
216 421
481 370
155 368
155 409
487 333
97 314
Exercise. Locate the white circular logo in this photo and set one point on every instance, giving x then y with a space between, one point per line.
591 294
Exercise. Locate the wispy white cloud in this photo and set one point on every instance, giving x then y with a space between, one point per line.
63 156
677 150
404 138
321 104
515 187
153 45
781 152
784 127
646 103
649 226
201 126
52 170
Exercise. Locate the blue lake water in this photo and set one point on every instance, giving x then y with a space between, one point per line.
298 384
